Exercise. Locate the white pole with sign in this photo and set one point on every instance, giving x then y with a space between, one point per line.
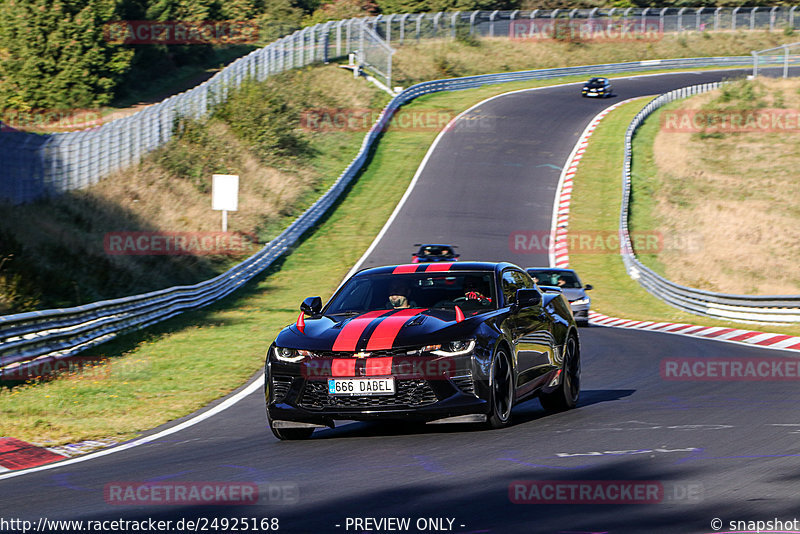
225 195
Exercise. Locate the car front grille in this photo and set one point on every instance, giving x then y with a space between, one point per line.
410 394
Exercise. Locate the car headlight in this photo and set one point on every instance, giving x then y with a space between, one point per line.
580 302
455 348
290 355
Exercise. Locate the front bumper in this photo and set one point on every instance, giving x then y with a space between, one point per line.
291 396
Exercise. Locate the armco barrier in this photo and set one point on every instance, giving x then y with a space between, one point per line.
34 338
761 308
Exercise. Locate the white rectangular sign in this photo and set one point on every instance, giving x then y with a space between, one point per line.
225 192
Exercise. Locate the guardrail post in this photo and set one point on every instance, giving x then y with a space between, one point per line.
785 61
755 63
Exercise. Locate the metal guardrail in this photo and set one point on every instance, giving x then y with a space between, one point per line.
756 308
32 339
36 166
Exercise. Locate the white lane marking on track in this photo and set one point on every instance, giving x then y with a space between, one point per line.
224 405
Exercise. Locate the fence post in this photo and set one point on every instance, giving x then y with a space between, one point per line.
733 18
491 22
472 21
697 15
644 19
772 19
791 16
680 19
753 18
419 24
453 24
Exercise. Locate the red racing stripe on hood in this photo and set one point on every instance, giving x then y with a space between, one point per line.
351 332
438 267
379 366
385 333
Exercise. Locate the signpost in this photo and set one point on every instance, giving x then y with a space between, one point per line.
225 195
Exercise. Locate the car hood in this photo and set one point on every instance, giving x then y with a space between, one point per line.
377 330
573 293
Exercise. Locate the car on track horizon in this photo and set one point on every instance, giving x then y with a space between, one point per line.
432 252
597 87
431 343
569 283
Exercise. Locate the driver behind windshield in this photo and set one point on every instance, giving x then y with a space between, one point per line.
399 294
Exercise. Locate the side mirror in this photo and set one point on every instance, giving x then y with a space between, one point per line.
527 297
587 287
311 306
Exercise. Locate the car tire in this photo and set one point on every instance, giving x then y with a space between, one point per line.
502 391
565 396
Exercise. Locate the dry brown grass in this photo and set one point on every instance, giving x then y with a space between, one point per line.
446 58
741 193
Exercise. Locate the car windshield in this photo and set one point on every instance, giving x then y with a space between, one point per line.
550 278
596 82
435 250
472 291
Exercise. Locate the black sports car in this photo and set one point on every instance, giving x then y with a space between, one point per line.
438 343
430 252
597 87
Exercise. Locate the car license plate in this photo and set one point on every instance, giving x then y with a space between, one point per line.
361 386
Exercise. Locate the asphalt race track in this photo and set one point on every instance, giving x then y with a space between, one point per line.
720 449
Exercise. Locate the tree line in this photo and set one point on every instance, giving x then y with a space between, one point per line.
56 54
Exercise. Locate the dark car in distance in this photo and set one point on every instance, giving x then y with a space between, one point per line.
567 280
597 87
433 343
433 252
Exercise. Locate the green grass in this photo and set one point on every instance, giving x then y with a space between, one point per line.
595 207
174 368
